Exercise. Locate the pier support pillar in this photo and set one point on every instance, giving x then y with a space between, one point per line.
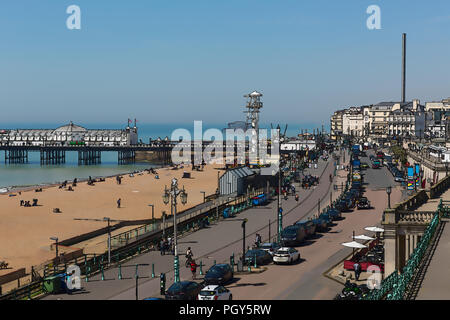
89 157
16 156
126 157
52 156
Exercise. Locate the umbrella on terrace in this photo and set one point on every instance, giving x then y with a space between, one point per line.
354 245
374 229
363 237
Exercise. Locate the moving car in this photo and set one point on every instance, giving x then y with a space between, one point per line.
215 292
363 203
292 235
183 290
219 274
262 257
286 255
270 247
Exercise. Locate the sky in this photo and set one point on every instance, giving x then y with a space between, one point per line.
178 61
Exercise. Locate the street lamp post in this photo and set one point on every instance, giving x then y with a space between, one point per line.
204 196
56 249
171 195
136 275
388 191
56 244
164 224
243 240
107 219
153 212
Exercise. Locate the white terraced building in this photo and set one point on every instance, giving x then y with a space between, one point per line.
68 135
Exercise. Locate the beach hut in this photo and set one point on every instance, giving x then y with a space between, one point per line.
235 181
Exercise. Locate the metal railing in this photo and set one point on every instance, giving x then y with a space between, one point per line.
395 286
141 240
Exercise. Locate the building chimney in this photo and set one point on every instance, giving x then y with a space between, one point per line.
404 69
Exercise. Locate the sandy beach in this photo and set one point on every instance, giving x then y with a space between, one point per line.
25 231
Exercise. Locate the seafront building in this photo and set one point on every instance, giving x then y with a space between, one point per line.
387 119
70 134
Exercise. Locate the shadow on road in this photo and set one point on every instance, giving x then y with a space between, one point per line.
249 284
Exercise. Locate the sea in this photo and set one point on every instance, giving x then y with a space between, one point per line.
33 173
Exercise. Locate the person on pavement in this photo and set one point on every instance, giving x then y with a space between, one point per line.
189 253
193 269
357 268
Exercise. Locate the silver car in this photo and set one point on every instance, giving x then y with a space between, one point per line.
270 247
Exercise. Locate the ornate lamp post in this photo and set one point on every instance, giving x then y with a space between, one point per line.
388 191
171 195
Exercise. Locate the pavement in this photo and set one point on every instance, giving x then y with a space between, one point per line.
217 243
436 284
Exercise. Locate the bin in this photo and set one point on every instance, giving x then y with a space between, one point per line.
53 284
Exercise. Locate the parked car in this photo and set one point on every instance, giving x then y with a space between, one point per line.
270 247
286 255
215 292
219 274
292 235
309 226
399 178
262 257
364 165
183 290
327 217
363 203
321 224
335 213
343 206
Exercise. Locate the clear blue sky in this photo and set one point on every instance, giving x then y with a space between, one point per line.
194 60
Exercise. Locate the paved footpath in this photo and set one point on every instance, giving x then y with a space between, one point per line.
216 243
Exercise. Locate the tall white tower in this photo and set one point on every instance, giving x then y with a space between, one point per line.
254 104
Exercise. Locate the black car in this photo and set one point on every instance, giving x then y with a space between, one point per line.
262 257
363 203
219 274
292 235
184 290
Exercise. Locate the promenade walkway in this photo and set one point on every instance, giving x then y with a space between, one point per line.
435 284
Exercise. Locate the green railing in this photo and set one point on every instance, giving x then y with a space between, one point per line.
395 285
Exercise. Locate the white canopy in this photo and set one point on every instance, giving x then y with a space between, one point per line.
374 229
363 237
354 244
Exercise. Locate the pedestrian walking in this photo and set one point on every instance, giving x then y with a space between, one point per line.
162 247
357 268
193 269
118 202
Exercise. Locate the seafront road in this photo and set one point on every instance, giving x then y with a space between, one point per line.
301 281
